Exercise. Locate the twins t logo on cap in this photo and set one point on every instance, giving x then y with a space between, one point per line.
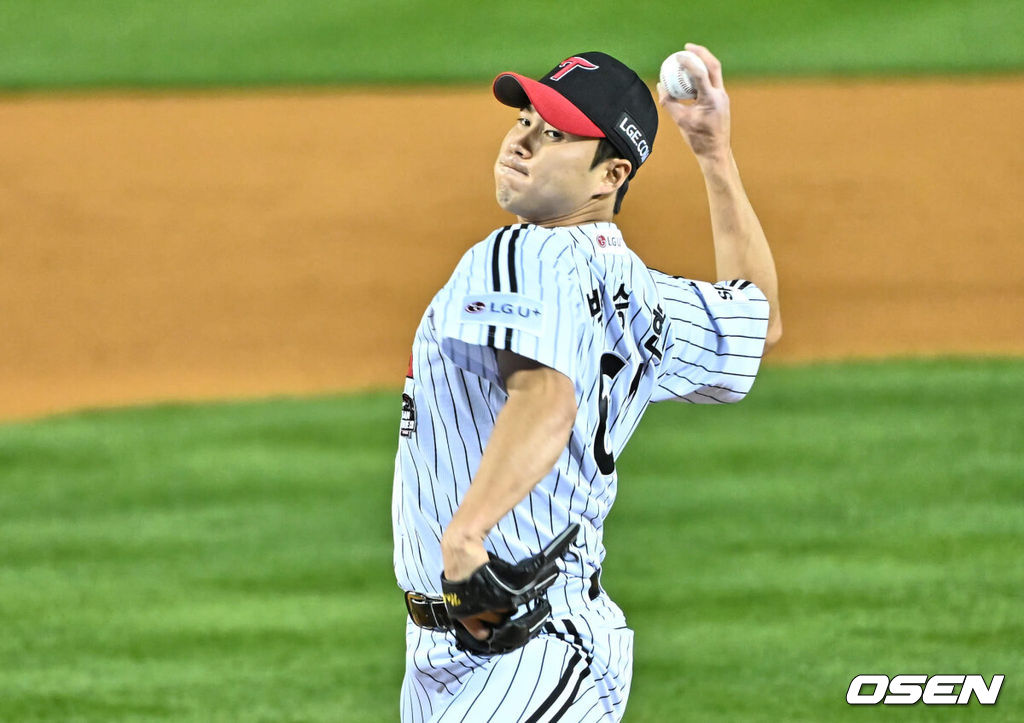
570 64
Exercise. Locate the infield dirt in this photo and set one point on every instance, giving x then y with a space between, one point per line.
199 246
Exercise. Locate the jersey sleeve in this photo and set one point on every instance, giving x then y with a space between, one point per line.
515 291
715 339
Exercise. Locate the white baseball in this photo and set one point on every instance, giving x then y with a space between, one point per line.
675 79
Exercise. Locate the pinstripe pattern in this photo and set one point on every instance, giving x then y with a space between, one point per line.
574 671
577 300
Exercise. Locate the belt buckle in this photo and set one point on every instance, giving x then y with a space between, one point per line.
424 616
414 598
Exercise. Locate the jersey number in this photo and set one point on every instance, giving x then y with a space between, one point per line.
611 365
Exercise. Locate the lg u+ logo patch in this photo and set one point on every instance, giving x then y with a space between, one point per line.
508 311
930 690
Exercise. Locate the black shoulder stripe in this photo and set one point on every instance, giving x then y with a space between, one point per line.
496 277
513 286
496 259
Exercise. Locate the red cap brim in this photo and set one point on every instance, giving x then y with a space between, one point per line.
517 91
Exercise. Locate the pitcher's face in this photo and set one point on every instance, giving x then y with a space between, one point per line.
544 174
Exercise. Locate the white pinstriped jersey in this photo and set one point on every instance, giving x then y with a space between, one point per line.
578 300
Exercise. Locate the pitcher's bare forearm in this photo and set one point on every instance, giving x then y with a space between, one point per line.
529 434
741 248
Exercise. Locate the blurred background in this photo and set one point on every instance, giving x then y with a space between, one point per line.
220 223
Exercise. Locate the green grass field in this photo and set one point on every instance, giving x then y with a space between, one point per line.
70 43
231 562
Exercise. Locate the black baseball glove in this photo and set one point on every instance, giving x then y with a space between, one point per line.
498 585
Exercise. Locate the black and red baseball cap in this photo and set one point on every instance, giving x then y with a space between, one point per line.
591 95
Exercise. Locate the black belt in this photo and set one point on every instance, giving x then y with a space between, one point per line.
429 612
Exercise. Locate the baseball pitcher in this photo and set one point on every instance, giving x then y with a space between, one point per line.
530 370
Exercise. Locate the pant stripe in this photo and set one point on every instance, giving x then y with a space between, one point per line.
584 673
563 683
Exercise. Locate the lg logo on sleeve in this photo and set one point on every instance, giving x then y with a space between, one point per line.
930 690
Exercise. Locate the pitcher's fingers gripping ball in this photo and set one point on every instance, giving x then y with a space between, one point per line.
500 585
674 77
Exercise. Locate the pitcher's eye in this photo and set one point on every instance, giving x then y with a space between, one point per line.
554 135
